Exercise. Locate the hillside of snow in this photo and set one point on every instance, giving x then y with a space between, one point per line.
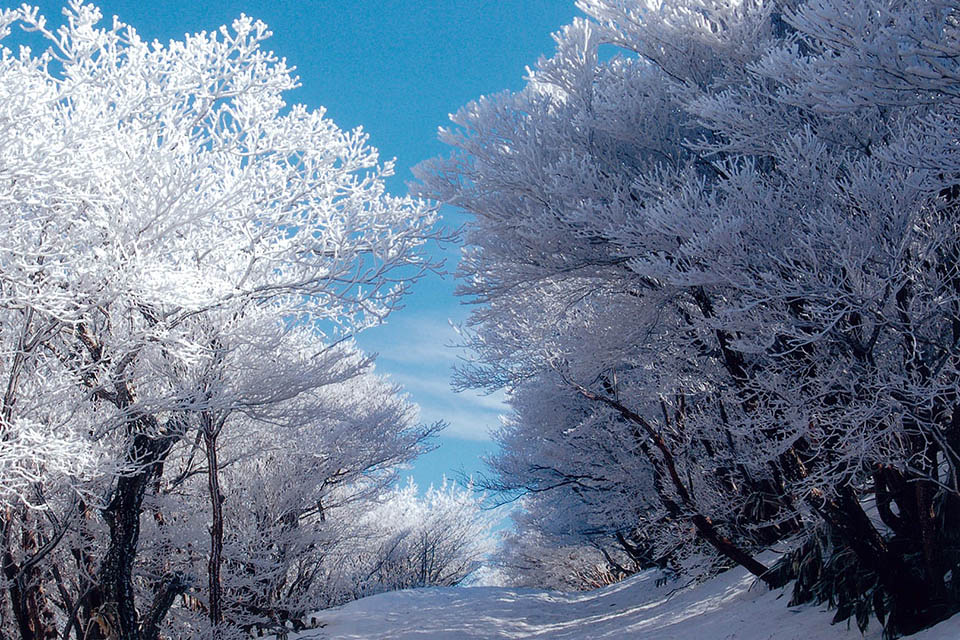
731 606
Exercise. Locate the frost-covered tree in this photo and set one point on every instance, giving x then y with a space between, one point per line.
182 253
738 238
296 480
526 557
580 477
436 540
555 175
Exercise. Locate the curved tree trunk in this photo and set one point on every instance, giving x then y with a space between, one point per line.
705 527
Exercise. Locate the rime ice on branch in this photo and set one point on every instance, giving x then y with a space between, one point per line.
719 273
183 256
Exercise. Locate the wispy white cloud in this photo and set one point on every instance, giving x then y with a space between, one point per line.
469 415
439 385
419 354
463 422
414 351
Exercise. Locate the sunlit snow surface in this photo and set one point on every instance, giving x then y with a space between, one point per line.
730 607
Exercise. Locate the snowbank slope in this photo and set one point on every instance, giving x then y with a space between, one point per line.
729 607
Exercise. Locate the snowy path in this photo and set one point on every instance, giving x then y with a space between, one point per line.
726 608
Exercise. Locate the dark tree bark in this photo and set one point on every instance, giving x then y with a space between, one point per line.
705 527
172 586
211 430
111 603
28 601
916 604
109 607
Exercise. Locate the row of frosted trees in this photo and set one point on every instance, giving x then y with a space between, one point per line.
189 443
714 258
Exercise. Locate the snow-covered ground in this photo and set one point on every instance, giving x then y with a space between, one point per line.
729 607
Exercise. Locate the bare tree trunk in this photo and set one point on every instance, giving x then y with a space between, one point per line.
210 434
170 587
111 605
27 600
11 569
36 604
915 603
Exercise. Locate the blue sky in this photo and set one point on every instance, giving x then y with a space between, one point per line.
396 68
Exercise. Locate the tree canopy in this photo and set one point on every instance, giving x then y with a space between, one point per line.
718 273
185 261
